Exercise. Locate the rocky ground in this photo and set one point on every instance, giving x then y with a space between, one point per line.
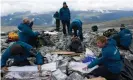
61 42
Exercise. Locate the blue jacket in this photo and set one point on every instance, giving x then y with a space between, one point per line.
6 55
78 24
125 37
25 32
110 58
65 14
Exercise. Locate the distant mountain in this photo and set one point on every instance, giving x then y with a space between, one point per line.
91 16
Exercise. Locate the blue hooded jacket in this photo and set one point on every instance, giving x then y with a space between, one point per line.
110 58
25 32
125 37
76 23
7 54
65 14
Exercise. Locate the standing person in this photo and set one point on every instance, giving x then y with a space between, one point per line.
65 17
26 34
110 63
19 52
76 25
56 16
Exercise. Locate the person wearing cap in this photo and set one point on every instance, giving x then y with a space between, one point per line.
19 52
76 25
65 17
110 62
56 16
26 34
125 36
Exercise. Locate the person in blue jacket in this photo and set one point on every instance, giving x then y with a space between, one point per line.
65 17
26 34
57 18
125 37
110 63
19 52
76 25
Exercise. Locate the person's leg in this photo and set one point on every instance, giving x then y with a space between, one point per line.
33 42
64 27
81 37
103 71
22 63
57 24
68 26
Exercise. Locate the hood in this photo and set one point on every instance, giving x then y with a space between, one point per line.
111 42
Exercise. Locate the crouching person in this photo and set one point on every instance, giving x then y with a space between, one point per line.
76 25
125 37
110 61
19 52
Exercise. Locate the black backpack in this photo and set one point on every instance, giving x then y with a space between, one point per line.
76 45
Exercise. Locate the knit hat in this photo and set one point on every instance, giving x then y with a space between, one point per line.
64 3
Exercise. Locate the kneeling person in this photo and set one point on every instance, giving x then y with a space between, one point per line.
20 51
110 62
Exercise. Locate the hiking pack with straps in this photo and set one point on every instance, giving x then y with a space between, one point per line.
76 45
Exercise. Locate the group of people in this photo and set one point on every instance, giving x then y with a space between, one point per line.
110 62
23 47
64 16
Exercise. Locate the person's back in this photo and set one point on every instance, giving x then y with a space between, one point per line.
25 32
125 37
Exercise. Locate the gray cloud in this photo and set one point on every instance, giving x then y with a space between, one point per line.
41 6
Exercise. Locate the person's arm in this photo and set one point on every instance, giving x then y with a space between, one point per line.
80 29
99 60
69 13
60 14
54 15
5 57
96 62
31 24
39 57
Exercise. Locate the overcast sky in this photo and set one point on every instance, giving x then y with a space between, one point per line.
41 6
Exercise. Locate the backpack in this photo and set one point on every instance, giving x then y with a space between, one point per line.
76 45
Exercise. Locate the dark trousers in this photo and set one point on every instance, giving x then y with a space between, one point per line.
104 72
33 42
81 35
66 23
57 24
22 63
